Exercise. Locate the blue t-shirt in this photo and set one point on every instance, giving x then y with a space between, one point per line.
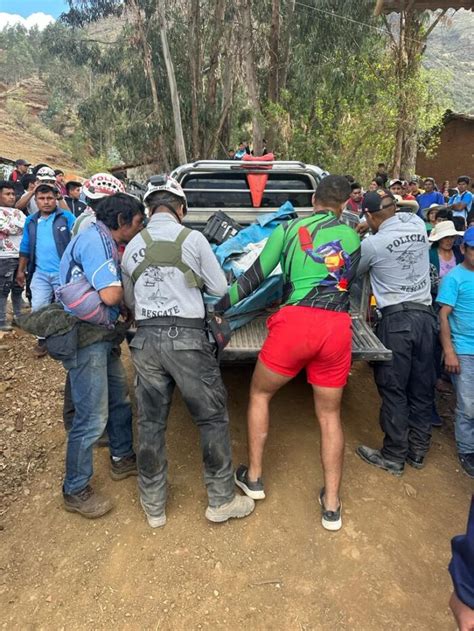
465 197
92 253
426 199
457 291
46 253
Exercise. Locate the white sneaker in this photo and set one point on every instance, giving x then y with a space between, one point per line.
154 522
240 506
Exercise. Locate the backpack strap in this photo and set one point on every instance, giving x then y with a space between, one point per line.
167 254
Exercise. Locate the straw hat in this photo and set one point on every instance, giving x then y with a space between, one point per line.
436 207
444 229
410 204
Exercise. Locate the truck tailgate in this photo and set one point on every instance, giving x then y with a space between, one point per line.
247 341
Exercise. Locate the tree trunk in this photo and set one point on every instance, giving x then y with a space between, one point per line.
178 127
215 49
227 94
251 75
285 46
148 67
409 50
194 62
274 41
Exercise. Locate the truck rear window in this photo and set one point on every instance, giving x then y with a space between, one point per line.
231 190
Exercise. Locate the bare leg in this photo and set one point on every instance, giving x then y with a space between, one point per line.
327 404
264 384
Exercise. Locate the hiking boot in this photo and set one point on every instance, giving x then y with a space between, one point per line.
123 467
252 489
375 458
240 506
467 463
417 462
87 503
40 349
154 521
331 520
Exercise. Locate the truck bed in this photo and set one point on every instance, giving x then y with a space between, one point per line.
247 341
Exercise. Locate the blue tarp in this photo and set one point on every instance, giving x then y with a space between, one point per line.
270 291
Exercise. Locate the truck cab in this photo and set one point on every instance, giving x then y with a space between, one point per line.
213 185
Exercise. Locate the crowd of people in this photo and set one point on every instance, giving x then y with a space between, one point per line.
95 259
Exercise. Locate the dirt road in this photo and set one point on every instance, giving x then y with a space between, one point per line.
278 569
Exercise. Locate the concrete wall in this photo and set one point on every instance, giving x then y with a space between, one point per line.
455 154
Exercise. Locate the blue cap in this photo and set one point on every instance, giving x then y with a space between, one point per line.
468 238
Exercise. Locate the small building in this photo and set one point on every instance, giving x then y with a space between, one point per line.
455 153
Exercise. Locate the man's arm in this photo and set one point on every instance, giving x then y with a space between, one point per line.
366 257
111 296
128 290
20 275
451 361
24 200
62 203
210 271
256 274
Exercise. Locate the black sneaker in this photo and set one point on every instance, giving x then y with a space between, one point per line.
417 462
375 458
249 487
330 519
467 463
123 468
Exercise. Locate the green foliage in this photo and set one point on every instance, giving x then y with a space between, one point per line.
18 111
338 107
97 164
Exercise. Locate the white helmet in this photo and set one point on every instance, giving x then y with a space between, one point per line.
164 183
101 185
45 174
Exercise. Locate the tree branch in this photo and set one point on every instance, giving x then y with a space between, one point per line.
389 30
435 23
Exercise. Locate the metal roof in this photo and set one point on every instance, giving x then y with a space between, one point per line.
389 6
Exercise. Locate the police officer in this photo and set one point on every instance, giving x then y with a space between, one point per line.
164 269
396 255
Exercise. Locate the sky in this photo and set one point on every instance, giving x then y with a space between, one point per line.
31 12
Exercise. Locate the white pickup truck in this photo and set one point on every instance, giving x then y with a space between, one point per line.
212 185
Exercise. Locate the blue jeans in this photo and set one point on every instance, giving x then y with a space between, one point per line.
100 396
464 383
43 286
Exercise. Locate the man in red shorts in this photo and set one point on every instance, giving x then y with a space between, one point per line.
312 330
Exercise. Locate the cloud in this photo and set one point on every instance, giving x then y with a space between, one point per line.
41 20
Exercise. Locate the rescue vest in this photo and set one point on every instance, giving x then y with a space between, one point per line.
167 254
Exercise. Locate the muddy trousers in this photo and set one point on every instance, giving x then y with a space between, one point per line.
165 358
406 383
8 285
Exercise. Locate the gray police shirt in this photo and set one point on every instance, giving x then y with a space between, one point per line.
163 291
398 260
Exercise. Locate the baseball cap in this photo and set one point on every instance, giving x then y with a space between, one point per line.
392 182
372 201
22 162
468 238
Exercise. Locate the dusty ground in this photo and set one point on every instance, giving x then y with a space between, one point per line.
278 569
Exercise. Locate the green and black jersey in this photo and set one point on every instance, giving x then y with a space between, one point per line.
318 256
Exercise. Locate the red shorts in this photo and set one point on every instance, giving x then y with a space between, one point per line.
305 337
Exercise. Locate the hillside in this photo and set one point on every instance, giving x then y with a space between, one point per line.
22 133
450 52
